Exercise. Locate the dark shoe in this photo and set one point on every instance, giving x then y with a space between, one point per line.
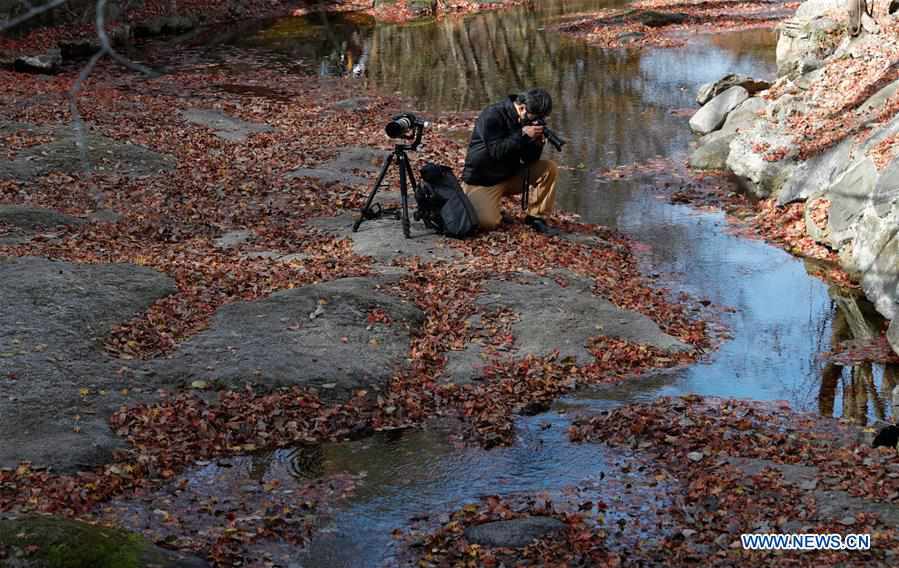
540 226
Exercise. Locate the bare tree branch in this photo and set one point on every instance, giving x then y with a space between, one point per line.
107 45
9 24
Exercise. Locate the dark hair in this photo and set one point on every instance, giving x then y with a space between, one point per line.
537 102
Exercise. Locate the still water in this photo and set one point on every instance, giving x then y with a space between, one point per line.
616 108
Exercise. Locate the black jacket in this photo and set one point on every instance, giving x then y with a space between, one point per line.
498 147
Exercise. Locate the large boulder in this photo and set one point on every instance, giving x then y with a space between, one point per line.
817 172
711 116
849 195
713 149
875 257
319 336
760 176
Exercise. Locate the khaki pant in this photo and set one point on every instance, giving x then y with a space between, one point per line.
486 199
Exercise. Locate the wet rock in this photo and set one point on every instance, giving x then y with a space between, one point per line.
47 63
275 342
515 533
711 116
383 239
53 320
711 90
345 167
552 317
225 127
40 542
81 48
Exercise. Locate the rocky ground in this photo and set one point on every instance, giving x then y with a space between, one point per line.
185 285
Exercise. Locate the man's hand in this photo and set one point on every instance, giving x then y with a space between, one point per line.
534 132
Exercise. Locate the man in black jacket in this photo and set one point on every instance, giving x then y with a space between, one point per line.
503 153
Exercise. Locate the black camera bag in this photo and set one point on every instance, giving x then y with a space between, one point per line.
442 205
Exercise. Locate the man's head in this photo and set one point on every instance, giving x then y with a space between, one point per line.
533 104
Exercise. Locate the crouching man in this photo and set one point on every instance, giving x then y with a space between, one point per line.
504 153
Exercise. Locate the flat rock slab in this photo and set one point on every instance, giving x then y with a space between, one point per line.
515 533
383 239
40 542
53 319
316 336
103 154
26 221
552 317
346 167
224 126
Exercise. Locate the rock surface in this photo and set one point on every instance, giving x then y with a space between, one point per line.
51 542
53 319
383 239
712 152
712 115
48 62
552 317
64 155
225 127
316 336
346 166
514 533
711 90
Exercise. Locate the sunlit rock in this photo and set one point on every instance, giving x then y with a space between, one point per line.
711 116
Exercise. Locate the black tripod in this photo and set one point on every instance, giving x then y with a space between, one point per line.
406 176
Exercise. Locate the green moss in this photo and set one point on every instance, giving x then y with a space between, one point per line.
57 543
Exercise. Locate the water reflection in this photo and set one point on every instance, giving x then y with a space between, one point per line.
864 390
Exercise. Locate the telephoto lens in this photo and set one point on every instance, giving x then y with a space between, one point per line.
398 127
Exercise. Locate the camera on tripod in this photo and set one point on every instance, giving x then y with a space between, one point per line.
406 127
401 124
548 133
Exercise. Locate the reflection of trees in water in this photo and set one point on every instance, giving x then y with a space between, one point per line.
854 318
462 66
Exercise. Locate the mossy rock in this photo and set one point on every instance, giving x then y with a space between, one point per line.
49 542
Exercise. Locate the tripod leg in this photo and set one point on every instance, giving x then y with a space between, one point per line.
405 170
366 210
